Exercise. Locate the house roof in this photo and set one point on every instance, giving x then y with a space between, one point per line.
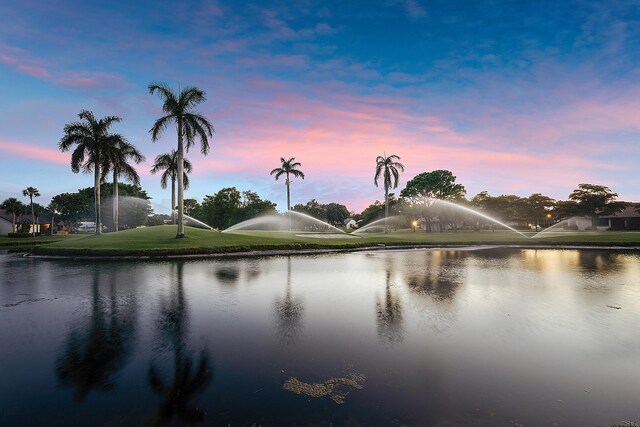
4 215
628 212
43 218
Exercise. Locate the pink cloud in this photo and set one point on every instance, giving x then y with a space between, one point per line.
34 152
338 136
92 80
21 61
34 71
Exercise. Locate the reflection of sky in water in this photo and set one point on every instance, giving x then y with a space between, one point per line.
442 336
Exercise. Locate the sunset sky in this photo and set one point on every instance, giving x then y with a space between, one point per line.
514 97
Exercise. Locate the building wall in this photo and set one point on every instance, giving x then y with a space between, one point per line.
5 227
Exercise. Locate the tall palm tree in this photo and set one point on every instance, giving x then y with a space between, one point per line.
169 163
387 167
189 125
288 167
15 207
32 192
117 162
93 143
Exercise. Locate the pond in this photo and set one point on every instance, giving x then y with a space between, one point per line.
482 336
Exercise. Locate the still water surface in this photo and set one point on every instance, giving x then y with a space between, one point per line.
465 337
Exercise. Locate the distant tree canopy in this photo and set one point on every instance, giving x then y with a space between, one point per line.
333 213
229 206
375 210
72 208
337 213
593 200
312 208
14 207
506 207
438 184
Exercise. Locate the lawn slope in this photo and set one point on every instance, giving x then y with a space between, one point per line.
161 241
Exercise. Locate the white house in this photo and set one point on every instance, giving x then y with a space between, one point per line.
5 223
350 224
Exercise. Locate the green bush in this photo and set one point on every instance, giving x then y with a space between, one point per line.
21 234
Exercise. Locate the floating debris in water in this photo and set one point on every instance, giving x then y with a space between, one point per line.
615 307
328 388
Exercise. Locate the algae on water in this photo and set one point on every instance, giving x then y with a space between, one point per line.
333 387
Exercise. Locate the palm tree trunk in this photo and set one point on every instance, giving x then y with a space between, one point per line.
386 206
116 203
289 200
13 222
180 181
96 195
173 200
33 218
53 215
288 194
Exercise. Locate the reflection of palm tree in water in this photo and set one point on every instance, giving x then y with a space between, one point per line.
289 312
95 353
389 314
186 384
440 279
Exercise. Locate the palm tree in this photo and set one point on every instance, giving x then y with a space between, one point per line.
117 162
388 168
15 207
287 168
38 210
189 125
32 192
169 163
93 144
54 208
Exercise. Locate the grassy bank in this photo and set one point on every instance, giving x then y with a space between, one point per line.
158 241
27 243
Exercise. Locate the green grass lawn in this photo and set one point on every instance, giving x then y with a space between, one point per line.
161 241
22 243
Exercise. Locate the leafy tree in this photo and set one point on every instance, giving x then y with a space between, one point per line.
506 207
422 190
229 206
169 163
387 167
117 162
377 210
218 210
312 208
596 200
438 184
336 213
73 207
191 206
93 142
288 167
537 207
566 209
15 207
251 206
134 205
32 192
189 125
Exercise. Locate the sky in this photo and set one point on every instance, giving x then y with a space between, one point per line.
513 97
